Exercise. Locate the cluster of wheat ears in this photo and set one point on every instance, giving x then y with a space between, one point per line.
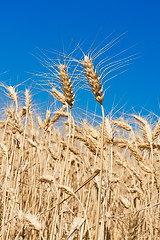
83 182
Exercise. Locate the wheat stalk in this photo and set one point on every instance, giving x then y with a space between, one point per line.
96 87
95 84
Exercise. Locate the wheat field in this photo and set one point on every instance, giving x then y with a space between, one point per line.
68 179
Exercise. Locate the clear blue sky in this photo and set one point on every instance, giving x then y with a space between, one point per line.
26 25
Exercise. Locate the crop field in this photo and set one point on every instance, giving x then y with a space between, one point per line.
66 179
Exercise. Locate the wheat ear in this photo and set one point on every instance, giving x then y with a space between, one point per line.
66 83
122 125
27 100
13 95
146 129
58 95
93 79
148 137
156 131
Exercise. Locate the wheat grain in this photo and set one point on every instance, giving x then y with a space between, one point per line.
46 179
125 202
145 168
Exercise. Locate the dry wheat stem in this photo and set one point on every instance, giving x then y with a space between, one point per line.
67 162
101 174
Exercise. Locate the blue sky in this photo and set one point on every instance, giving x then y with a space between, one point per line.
28 25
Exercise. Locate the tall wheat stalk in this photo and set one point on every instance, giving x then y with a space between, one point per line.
96 87
69 99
